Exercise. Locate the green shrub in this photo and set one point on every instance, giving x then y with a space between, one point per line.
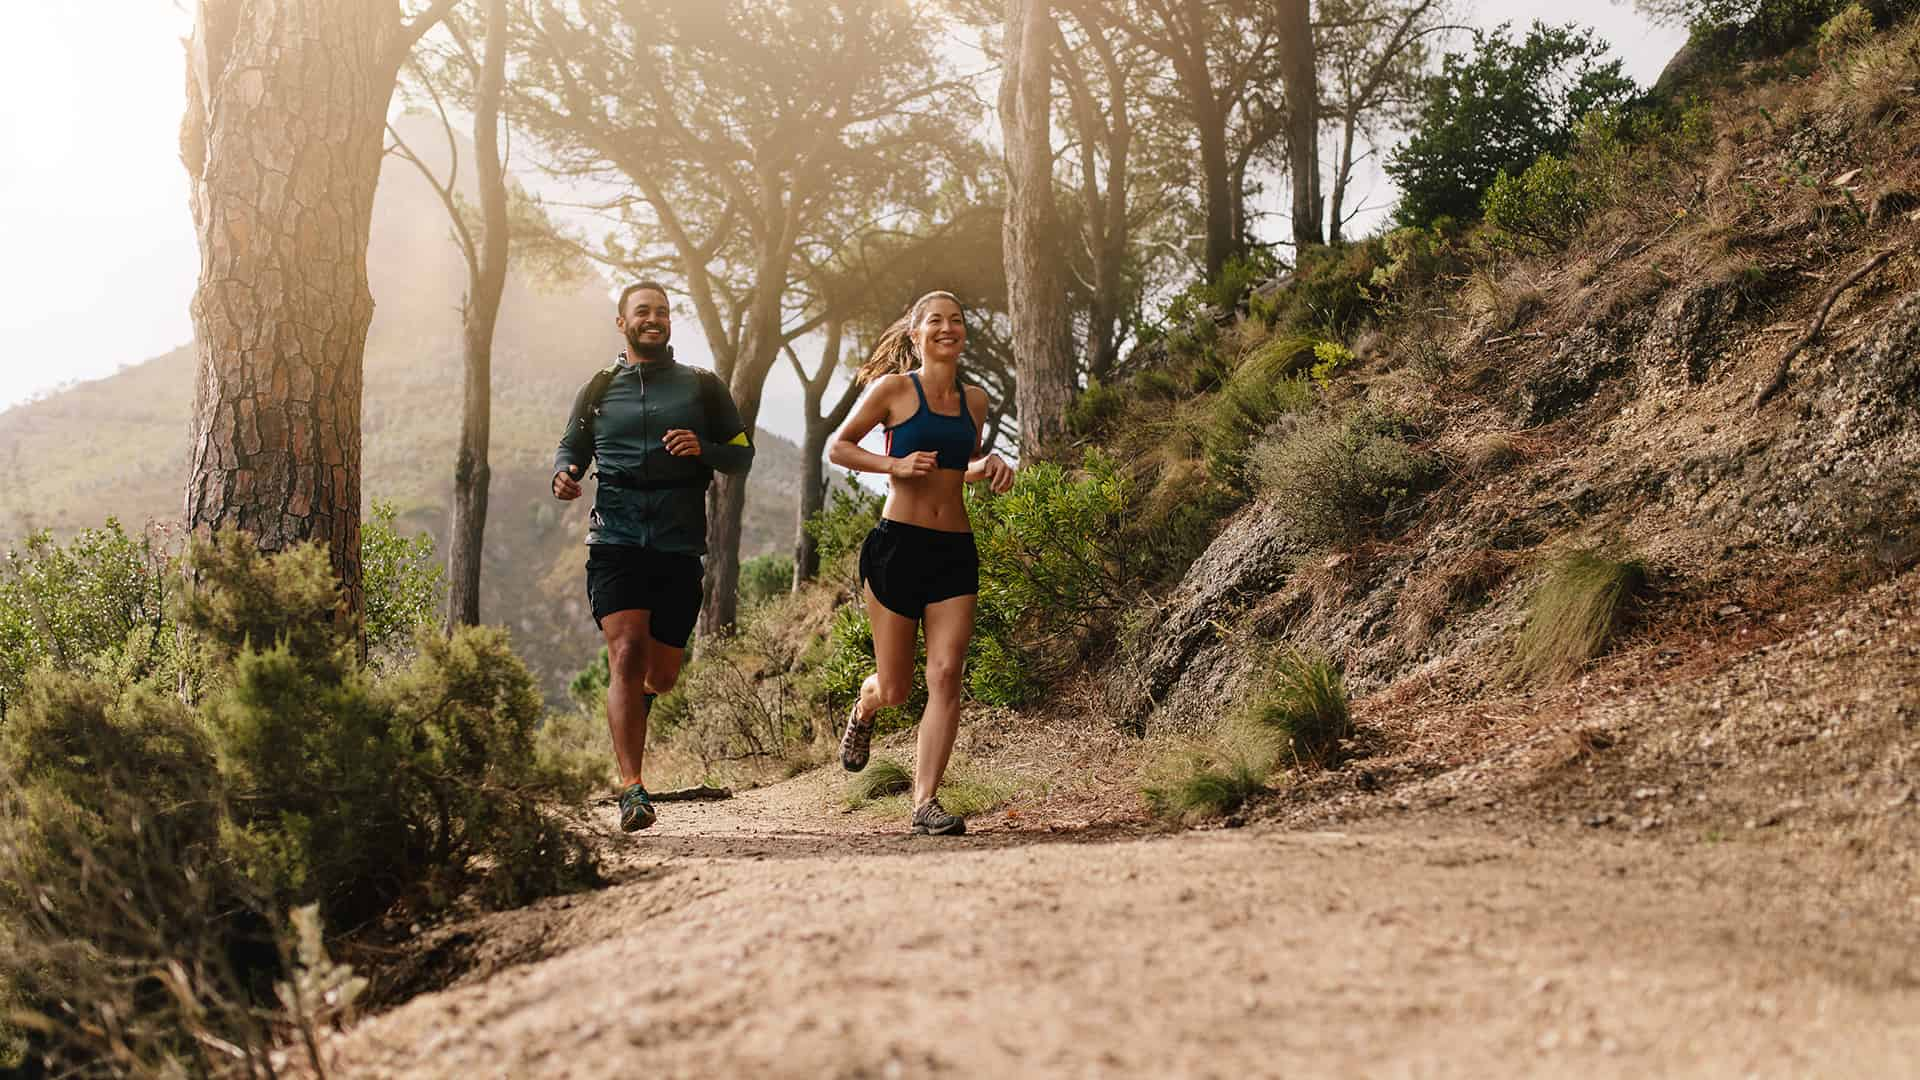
841 525
1206 789
1304 703
1753 28
1238 277
1329 357
1574 613
1241 412
1344 479
1331 292
1498 105
98 601
883 777
764 577
1094 408
1414 257
152 846
404 584
849 661
1848 29
1548 204
1054 547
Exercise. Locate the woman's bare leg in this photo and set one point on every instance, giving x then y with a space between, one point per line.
949 626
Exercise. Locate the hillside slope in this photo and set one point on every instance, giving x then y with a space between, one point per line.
117 446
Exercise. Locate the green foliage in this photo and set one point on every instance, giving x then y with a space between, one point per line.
404 584
841 525
1328 358
1304 703
764 577
1343 479
1263 389
883 776
1331 292
1848 29
1052 546
1753 28
1498 106
1574 613
97 602
848 662
1238 277
1094 408
1206 789
139 830
1548 204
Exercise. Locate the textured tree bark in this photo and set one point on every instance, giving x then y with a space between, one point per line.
486 280
813 449
286 104
1036 288
1303 121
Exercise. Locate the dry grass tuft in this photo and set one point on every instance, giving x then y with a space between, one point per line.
1206 789
1304 705
1441 588
1574 614
883 777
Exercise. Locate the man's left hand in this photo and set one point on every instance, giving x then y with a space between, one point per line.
682 443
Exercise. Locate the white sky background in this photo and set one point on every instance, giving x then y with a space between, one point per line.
97 253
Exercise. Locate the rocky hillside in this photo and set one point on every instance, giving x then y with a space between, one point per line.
1607 402
117 446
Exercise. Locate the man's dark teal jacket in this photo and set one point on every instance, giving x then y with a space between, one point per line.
647 497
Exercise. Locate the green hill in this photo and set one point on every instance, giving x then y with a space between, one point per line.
117 446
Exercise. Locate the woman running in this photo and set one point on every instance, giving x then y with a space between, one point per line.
918 565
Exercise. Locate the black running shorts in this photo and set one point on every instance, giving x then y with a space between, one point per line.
621 577
909 567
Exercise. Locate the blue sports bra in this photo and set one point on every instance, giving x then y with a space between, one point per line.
951 438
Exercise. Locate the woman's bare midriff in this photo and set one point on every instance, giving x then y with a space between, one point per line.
933 501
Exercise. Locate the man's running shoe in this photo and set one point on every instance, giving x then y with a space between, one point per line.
636 810
932 819
857 740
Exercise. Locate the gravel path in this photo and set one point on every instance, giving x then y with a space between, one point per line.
771 936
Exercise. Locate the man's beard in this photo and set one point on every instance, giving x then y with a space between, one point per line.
656 351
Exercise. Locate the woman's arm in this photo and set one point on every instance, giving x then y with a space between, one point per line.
989 467
844 448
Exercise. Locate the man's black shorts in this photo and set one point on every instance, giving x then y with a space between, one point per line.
621 577
909 566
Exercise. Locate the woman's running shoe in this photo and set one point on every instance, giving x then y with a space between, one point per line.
636 810
856 741
932 819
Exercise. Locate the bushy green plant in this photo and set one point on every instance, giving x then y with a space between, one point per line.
1497 106
1330 293
1343 478
1206 789
1547 204
843 523
1054 545
1238 276
1328 358
848 662
1574 613
97 601
1303 702
1749 28
1848 29
1414 257
1245 406
764 577
1094 408
404 585
146 834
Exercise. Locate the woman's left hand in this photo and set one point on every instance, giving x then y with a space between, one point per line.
997 473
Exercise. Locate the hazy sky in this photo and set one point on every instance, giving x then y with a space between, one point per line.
97 255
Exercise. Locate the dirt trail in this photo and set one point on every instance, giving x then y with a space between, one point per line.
768 936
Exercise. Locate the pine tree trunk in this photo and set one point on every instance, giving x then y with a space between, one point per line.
1303 121
1036 292
486 280
286 105
813 495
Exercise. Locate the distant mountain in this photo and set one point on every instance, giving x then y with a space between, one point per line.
117 446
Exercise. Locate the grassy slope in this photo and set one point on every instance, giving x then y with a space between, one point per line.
117 446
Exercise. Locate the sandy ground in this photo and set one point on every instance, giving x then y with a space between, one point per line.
773 936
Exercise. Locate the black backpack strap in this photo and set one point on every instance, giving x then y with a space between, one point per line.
597 393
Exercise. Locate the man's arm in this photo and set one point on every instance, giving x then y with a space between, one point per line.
729 449
576 443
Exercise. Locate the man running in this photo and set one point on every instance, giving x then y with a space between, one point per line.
659 430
